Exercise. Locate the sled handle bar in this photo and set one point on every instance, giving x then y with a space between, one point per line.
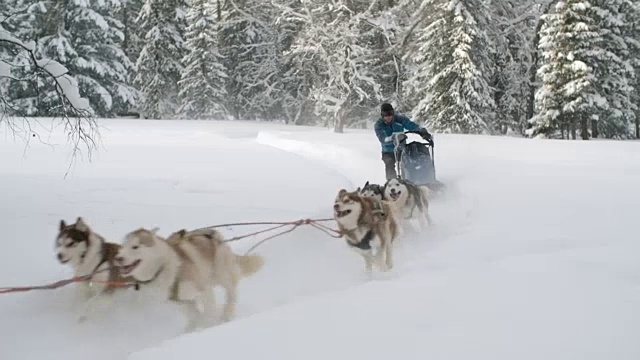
430 143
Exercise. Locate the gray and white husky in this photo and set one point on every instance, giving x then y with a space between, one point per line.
185 267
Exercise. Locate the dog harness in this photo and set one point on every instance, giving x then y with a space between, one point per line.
377 207
365 242
106 257
175 286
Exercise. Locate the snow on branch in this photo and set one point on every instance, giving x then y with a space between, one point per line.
76 113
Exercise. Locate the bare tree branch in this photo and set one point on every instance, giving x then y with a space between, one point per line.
76 114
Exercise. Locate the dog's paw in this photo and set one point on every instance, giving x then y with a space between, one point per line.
368 274
383 264
389 265
368 271
386 276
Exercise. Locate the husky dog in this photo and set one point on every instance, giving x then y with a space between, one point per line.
88 253
365 221
410 198
371 190
186 267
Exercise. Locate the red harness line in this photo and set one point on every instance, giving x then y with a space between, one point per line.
294 224
54 285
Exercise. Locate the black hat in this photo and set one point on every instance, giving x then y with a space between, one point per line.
386 109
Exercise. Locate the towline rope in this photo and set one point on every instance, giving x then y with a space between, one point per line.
65 282
293 225
316 223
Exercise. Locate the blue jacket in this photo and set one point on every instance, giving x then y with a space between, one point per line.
400 123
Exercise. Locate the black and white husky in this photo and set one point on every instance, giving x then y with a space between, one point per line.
375 191
89 253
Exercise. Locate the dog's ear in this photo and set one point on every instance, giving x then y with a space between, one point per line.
358 189
366 184
182 233
147 240
62 225
154 231
81 224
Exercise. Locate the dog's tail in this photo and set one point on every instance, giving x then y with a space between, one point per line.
426 193
249 264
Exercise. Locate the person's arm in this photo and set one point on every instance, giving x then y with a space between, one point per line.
407 123
380 133
412 126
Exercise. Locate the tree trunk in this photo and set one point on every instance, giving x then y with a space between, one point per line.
594 128
573 128
638 126
340 120
126 44
584 128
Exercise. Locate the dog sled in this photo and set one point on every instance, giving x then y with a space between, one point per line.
415 161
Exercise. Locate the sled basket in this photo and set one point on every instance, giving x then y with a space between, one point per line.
415 161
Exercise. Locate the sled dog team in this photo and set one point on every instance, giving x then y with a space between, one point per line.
187 265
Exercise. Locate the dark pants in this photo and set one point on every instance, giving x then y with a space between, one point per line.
389 160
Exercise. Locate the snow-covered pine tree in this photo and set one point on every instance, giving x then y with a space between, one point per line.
302 66
511 31
407 44
295 74
248 44
386 20
9 9
22 17
127 13
202 85
86 38
7 59
542 7
28 90
133 41
582 75
332 42
632 37
159 66
450 81
614 71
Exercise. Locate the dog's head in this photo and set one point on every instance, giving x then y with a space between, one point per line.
395 190
371 190
72 242
347 205
140 256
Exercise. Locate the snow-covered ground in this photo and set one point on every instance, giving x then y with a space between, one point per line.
534 255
